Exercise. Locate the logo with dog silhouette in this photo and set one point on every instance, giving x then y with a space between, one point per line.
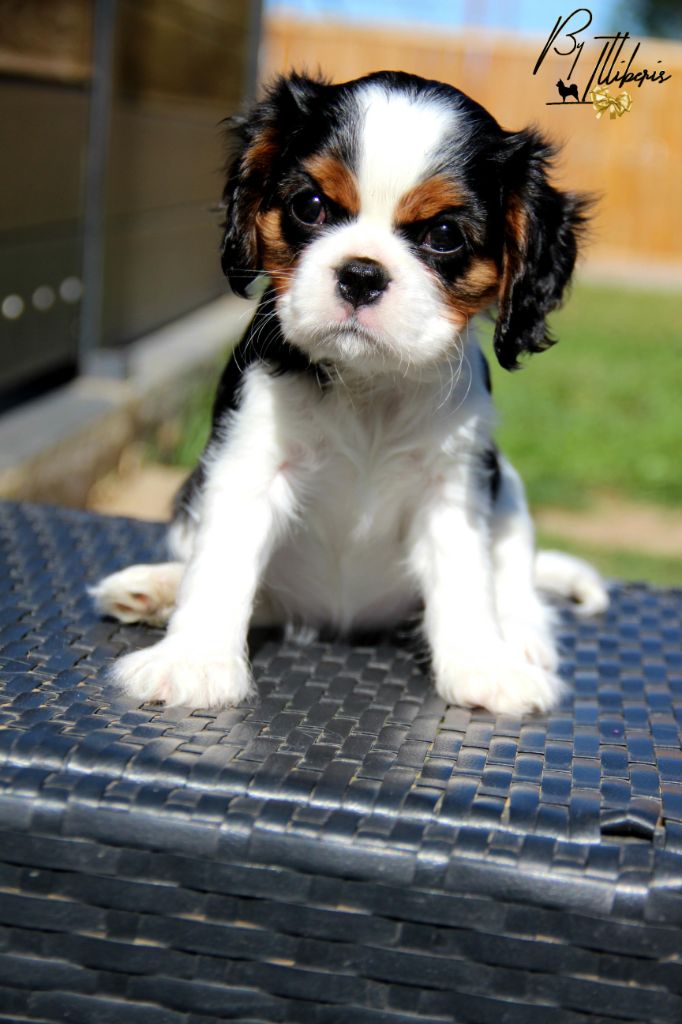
615 55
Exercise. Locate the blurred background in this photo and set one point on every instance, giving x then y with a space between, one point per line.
114 317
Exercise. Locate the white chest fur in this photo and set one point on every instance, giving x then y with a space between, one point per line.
370 458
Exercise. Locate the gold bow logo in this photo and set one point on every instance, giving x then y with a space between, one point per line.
602 100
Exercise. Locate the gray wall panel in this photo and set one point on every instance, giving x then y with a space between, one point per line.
42 141
179 68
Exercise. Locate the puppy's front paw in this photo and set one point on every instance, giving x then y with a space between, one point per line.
179 670
499 680
531 640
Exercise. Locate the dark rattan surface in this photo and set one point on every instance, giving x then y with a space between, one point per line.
347 848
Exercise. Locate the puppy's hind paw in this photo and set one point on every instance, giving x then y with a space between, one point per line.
572 578
140 593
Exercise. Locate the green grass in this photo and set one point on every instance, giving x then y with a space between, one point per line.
181 441
601 411
195 426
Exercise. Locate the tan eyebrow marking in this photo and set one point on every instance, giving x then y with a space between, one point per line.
336 181
427 199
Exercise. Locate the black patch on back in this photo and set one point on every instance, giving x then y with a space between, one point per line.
487 380
491 468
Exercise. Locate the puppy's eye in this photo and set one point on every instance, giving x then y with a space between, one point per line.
309 208
443 238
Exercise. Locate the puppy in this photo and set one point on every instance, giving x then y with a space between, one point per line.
350 478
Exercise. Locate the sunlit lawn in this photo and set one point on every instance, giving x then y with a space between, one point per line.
602 410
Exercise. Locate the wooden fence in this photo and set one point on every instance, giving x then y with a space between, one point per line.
634 162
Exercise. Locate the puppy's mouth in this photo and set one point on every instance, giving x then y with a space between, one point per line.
344 340
351 330
354 327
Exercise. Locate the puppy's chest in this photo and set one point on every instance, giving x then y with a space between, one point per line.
372 462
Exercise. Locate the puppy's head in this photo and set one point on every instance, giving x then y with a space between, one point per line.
387 212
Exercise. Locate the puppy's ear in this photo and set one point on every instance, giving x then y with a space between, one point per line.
263 139
542 230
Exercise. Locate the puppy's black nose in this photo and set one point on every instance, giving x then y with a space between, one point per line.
362 281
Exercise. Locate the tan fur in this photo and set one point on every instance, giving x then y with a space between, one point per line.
335 180
259 157
517 226
276 255
428 199
475 291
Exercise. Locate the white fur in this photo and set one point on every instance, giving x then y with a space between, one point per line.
356 506
572 578
400 137
144 593
408 331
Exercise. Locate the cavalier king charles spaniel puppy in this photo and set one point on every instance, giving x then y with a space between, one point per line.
351 479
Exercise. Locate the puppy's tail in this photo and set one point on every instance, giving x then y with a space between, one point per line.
573 578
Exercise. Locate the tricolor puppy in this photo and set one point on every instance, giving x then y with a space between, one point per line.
350 478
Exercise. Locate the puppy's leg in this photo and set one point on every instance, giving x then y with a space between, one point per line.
520 571
525 621
451 557
140 593
247 502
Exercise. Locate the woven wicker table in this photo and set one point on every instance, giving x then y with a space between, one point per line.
348 849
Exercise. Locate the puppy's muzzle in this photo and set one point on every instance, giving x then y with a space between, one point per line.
361 281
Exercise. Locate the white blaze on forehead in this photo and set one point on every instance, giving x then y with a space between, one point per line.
400 136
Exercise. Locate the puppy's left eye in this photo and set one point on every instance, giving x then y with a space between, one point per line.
443 238
309 208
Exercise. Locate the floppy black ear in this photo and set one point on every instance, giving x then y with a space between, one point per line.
262 139
542 230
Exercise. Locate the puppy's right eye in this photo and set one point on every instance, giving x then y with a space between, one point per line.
308 207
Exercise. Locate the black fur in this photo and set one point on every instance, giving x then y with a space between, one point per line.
487 379
293 120
185 501
491 471
263 343
539 264
300 116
